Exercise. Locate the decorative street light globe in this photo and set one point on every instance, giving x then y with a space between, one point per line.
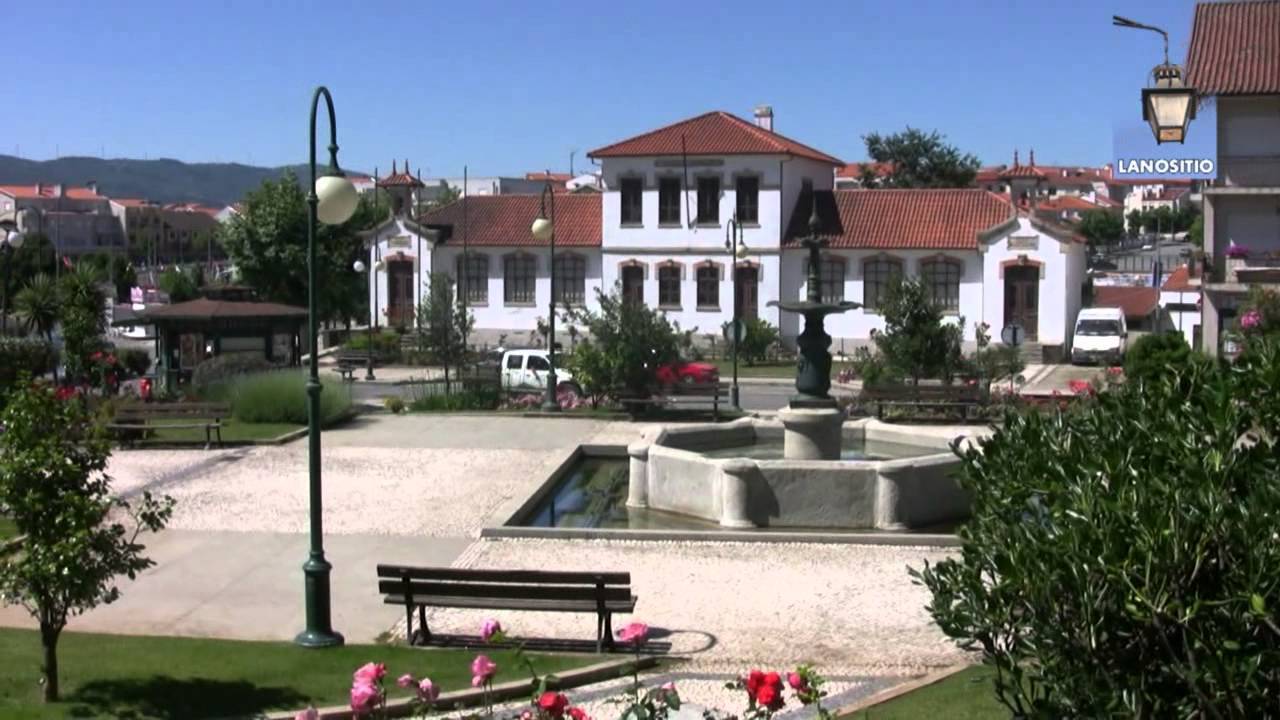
337 199
358 266
1169 106
541 228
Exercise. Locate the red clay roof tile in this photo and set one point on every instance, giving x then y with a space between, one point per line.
1179 281
713 133
1235 48
1136 301
504 220
946 219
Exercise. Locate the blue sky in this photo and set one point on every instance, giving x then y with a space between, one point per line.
507 87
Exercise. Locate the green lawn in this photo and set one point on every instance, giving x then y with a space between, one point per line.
118 676
967 695
232 431
760 369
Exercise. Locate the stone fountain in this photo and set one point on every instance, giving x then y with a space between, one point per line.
812 420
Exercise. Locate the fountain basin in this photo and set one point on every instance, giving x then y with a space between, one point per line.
899 479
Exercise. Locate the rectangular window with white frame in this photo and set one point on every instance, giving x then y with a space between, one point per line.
473 277
831 271
632 201
708 281
669 201
941 279
877 275
747 195
571 279
519 279
669 287
708 201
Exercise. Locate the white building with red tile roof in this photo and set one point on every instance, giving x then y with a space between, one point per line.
77 220
1180 302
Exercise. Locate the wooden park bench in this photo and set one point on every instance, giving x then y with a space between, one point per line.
602 593
349 361
960 398
206 415
681 396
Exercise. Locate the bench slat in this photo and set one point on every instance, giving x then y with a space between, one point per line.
487 603
504 576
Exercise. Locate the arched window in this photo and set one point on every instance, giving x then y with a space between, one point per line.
831 274
571 279
518 274
941 277
473 277
708 278
877 274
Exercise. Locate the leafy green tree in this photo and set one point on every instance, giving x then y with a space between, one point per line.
921 160
267 243
53 486
446 324
1195 234
445 194
1155 355
626 344
915 340
179 284
83 316
1136 219
1120 560
37 306
759 337
1101 227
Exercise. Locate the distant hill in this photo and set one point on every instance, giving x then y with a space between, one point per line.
161 180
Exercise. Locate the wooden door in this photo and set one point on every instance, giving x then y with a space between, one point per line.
633 284
746 292
1022 299
400 298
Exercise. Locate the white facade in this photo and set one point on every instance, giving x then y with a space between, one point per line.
1181 312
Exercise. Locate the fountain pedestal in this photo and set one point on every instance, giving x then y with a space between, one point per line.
811 433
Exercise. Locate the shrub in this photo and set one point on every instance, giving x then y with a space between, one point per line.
1120 559
393 403
627 342
19 356
136 362
469 399
916 342
386 344
759 338
220 369
1154 355
280 397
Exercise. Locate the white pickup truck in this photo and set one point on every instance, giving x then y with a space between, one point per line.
528 370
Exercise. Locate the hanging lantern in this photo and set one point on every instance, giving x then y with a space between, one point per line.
1169 106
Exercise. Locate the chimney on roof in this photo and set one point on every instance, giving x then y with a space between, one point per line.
1032 161
93 186
1015 157
393 166
764 117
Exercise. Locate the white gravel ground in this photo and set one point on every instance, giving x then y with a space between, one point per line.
442 492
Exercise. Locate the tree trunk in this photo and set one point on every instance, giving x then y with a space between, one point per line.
446 379
49 641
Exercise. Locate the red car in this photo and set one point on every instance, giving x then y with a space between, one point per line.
687 373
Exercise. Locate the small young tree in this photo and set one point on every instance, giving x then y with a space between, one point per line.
446 324
915 340
627 342
83 319
53 485
760 336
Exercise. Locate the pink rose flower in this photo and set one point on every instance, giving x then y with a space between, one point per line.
370 673
427 691
669 687
308 714
634 633
477 681
578 713
490 628
526 715
482 667
363 697
796 681
405 680
1251 319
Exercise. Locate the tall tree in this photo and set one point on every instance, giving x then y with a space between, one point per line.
53 485
921 160
447 324
267 244
1101 227
83 316
915 341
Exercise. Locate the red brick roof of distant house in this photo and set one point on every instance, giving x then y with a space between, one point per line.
854 169
554 177
1136 301
1179 281
713 133
1106 202
1235 48
1066 202
1169 193
942 219
133 202
505 220
1018 170
400 179
47 190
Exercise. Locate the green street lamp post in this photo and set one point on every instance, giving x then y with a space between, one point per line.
10 240
368 328
737 247
332 200
544 230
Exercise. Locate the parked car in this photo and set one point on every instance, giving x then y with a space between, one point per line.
687 373
529 369
1101 336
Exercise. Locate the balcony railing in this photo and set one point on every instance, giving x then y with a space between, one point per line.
1251 269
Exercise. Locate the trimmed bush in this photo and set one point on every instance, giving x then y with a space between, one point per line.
136 362
474 398
24 355
760 336
1121 559
386 344
221 369
280 397
1154 355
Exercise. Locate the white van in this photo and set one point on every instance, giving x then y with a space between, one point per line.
1101 336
